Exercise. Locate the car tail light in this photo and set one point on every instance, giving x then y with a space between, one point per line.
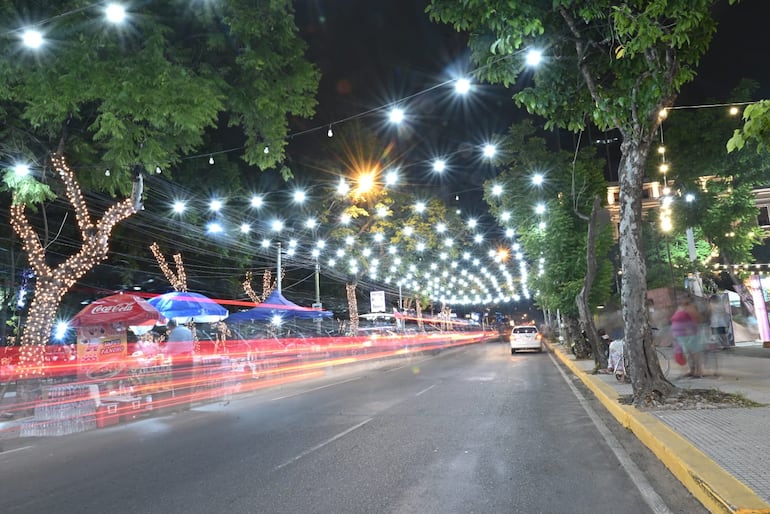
538 337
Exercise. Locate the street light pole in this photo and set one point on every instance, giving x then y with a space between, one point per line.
317 282
278 270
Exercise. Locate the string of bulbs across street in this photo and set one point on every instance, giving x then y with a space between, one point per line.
441 278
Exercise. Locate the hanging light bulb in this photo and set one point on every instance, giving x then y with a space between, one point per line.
329 132
211 159
266 150
158 170
106 173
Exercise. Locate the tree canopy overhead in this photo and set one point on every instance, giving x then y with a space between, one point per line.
145 91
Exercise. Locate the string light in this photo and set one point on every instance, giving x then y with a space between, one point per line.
178 278
52 283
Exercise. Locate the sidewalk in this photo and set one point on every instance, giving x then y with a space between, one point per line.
721 455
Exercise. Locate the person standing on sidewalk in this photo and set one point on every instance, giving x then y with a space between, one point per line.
719 321
685 326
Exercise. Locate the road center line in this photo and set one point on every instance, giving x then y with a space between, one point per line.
314 389
426 390
649 495
6 452
321 445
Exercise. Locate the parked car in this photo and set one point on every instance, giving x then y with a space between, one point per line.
526 337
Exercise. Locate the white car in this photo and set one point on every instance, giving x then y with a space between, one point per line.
526 337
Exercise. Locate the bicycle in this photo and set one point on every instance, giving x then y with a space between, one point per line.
621 361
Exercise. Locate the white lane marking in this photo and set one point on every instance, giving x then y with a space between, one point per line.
649 495
314 389
321 445
425 390
6 452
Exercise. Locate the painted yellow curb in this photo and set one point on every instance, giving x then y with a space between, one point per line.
714 487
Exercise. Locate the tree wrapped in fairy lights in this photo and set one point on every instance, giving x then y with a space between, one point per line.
52 282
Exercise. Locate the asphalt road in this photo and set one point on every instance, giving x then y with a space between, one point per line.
469 430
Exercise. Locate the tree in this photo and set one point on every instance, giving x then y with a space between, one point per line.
616 65
714 186
139 96
573 273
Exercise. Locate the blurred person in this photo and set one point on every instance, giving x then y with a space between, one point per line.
685 327
719 320
179 341
179 346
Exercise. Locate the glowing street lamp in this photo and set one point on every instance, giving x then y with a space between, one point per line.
439 165
396 115
115 13
21 170
343 187
534 57
257 201
462 86
537 179
391 178
489 150
32 38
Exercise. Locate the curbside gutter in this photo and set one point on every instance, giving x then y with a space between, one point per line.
714 487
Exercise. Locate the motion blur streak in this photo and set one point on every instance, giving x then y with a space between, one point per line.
104 392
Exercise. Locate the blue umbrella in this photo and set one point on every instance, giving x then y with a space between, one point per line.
184 306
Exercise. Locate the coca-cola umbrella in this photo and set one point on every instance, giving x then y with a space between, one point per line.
127 309
184 306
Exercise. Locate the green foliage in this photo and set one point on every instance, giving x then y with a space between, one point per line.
756 128
26 190
150 92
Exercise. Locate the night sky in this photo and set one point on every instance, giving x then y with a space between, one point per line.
373 52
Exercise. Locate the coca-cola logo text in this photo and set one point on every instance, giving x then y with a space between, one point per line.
106 309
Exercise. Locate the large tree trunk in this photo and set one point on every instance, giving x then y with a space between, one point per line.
647 378
350 290
575 339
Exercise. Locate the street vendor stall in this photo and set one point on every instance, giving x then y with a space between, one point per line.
126 379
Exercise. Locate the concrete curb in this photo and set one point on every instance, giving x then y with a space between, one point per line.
714 487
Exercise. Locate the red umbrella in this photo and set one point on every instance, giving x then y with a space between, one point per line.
128 309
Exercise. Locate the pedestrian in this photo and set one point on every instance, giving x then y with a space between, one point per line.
179 345
685 326
179 340
719 320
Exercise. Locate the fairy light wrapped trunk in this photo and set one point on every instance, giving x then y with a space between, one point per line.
52 283
350 290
